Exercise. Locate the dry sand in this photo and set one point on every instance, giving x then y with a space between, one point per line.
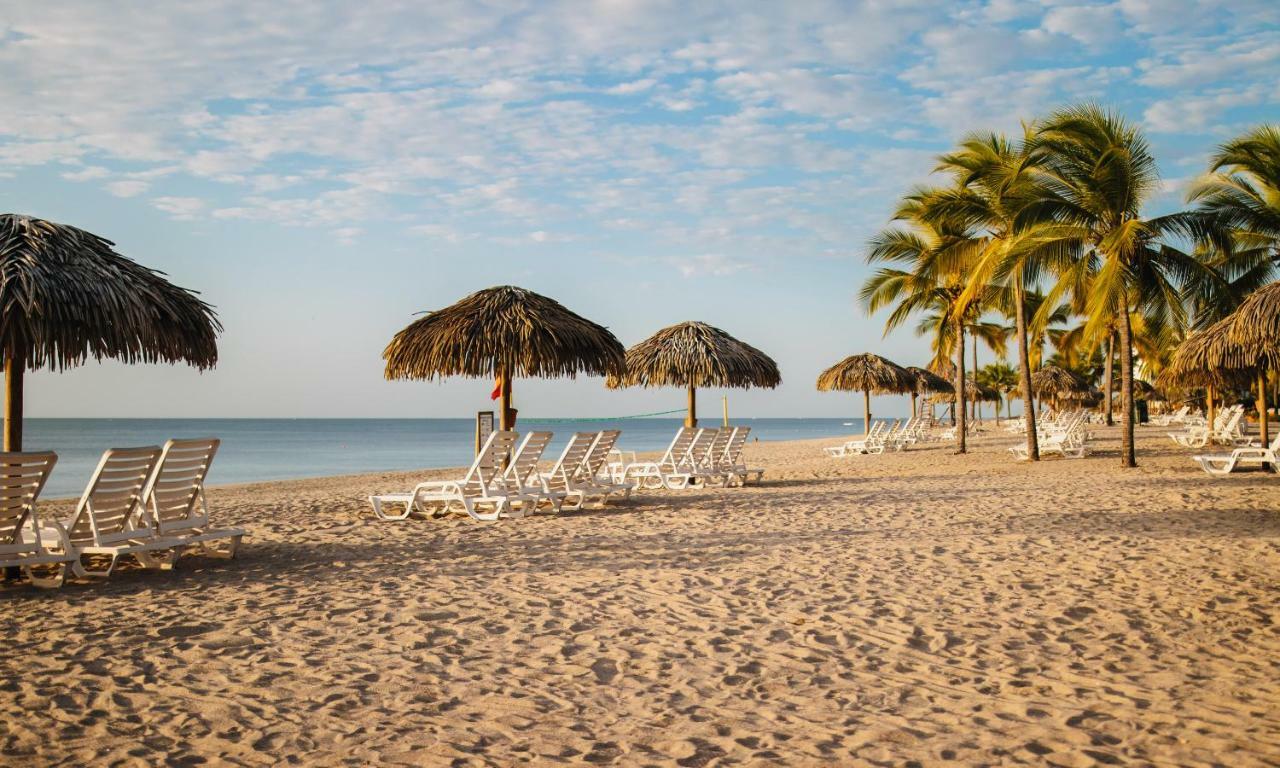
912 608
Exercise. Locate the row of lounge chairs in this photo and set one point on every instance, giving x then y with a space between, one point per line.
145 503
1254 453
1226 429
1067 435
885 436
505 480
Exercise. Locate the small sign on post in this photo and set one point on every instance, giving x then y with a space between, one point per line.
484 428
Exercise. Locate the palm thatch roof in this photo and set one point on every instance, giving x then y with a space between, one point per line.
1211 358
1054 381
503 330
66 296
693 354
1257 320
867 373
977 391
928 381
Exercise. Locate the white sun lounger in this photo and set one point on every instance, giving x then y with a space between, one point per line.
590 478
1225 464
732 463
521 480
558 485
175 504
43 559
666 472
108 521
480 488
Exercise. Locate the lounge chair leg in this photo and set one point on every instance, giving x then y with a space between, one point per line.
54 581
157 560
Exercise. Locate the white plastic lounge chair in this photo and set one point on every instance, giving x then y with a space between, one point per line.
43 559
1225 429
521 480
174 500
480 488
667 472
1225 464
732 463
1169 419
558 485
592 478
853 447
700 462
107 521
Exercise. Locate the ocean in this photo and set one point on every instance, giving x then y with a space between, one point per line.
279 449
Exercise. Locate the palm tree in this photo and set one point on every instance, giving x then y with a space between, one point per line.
1002 377
995 180
1098 172
1238 222
937 252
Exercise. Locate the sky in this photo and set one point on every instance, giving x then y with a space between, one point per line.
322 171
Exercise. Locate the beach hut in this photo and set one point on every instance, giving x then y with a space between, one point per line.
67 296
1255 335
503 333
867 373
692 355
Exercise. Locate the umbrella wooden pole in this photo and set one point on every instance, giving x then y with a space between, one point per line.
691 420
508 420
1209 410
13 403
866 412
914 396
1262 408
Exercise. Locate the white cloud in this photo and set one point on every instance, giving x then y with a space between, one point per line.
129 188
181 208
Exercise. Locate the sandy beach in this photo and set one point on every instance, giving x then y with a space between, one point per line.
913 608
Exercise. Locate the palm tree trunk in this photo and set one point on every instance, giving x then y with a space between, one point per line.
963 423
977 408
1024 372
1106 400
1128 457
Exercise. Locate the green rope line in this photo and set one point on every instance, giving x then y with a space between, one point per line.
606 418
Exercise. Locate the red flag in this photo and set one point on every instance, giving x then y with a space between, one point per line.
497 389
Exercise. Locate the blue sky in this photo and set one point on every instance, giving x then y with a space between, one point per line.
322 171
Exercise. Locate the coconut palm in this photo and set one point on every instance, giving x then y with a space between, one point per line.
1239 199
1098 172
937 253
996 179
1001 377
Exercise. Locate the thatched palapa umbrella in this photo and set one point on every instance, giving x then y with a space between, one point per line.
1255 331
1208 359
693 355
867 373
66 296
503 332
927 382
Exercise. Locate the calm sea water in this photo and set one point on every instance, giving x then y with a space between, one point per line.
278 449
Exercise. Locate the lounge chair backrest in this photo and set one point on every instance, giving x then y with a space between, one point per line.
697 453
715 454
598 454
733 452
174 496
107 512
486 471
525 461
570 461
22 477
679 447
